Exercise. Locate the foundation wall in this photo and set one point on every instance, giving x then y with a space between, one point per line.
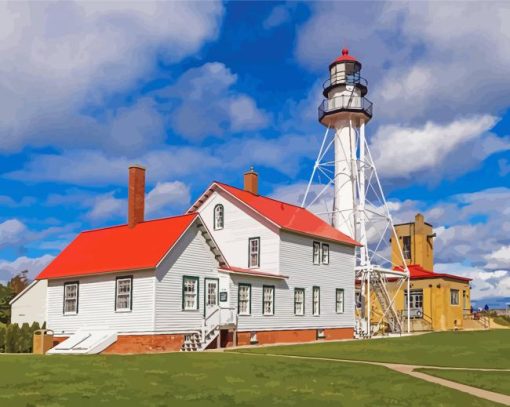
145 344
291 336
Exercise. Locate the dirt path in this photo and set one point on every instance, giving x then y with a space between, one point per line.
410 370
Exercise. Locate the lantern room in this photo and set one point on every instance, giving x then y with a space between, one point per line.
344 91
345 70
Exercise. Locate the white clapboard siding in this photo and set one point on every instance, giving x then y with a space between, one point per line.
30 305
297 263
241 223
191 256
96 306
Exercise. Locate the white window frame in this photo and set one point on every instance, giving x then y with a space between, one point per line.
452 292
68 297
325 253
268 296
118 294
252 252
316 301
244 290
340 303
316 253
219 217
299 306
186 305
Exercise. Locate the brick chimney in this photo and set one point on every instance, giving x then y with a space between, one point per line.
136 195
251 181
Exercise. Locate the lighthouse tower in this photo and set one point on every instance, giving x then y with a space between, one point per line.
346 111
358 207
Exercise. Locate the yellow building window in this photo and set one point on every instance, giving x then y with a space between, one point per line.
454 297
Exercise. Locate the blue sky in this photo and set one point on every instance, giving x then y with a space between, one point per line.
201 91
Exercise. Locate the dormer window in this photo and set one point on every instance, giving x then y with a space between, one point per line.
219 217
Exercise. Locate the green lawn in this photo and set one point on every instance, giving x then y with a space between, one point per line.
211 379
493 381
485 349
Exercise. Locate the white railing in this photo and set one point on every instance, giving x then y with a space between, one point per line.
217 317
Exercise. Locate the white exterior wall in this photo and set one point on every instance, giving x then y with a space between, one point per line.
30 306
191 256
241 223
96 304
297 263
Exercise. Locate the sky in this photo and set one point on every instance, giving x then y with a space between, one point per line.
198 92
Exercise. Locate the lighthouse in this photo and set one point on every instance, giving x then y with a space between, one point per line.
345 110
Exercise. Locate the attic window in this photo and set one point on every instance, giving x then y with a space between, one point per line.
219 217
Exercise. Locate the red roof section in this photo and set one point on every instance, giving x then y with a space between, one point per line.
289 217
252 272
417 272
118 248
345 57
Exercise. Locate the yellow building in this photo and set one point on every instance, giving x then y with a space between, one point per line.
439 301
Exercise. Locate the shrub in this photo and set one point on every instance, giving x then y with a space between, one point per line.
16 339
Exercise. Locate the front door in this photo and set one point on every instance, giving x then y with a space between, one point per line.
211 294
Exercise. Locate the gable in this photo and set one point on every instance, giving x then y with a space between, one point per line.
281 214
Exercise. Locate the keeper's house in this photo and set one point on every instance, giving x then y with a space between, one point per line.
236 269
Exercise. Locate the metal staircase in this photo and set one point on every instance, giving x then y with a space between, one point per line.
383 296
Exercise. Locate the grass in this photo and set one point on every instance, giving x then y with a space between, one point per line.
211 379
493 381
482 349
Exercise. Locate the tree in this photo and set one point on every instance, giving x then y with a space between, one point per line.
19 282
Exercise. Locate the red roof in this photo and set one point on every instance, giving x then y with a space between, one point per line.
289 217
118 248
419 273
345 57
252 272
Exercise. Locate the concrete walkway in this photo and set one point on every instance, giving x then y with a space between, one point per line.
410 370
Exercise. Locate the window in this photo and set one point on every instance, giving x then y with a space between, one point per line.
219 217
123 298
339 300
254 252
189 293
299 301
406 247
454 297
244 299
316 305
268 300
71 298
316 252
325 253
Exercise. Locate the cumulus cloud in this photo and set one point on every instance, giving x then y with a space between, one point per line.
204 104
408 152
107 206
163 200
97 168
499 258
33 265
422 58
12 233
166 196
485 284
75 54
